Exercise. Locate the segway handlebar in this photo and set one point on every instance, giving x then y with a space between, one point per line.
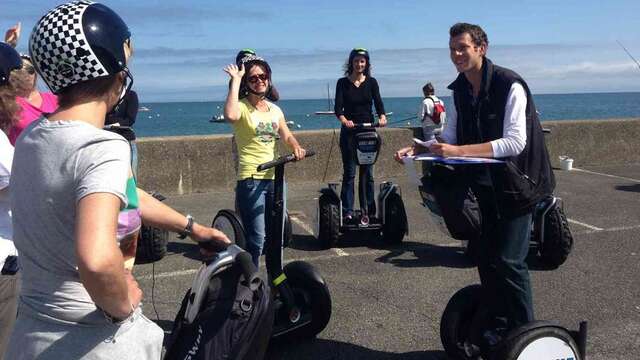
366 125
283 160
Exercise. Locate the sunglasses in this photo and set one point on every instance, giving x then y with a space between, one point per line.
29 69
254 78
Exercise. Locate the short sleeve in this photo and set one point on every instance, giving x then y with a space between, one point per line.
103 167
6 158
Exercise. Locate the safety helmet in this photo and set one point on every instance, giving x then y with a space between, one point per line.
79 41
242 54
248 61
9 60
358 52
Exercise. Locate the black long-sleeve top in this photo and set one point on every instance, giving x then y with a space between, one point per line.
355 102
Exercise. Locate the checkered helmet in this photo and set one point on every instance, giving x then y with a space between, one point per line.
76 42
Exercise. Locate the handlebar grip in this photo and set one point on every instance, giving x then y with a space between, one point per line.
248 269
309 153
282 160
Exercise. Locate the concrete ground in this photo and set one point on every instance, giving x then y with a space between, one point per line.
387 302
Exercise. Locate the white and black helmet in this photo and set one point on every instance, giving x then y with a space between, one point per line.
78 41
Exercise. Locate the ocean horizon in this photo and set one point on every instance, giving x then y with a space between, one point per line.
193 117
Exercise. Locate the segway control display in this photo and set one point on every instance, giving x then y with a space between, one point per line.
367 147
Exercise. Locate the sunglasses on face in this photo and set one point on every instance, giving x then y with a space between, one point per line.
254 78
29 69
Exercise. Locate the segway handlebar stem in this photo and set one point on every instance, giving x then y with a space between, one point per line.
283 160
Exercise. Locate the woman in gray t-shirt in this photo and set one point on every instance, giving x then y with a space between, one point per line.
70 178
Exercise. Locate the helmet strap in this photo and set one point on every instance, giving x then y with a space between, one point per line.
128 84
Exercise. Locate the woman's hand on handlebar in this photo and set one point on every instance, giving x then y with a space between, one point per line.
217 239
348 123
299 153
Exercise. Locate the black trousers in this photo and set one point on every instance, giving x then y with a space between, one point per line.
502 253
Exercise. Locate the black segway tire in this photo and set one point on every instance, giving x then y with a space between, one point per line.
558 240
152 244
329 222
312 295
538 344
288 230
456 320
395 220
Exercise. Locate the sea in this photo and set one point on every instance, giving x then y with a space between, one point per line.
195 118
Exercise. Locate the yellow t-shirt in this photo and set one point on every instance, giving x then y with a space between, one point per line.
256 133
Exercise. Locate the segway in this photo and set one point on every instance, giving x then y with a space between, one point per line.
464 317
211 298
392 219
454 210
302 298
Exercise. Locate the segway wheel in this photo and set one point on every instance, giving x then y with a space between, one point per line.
312 295
328 222
558 240
547 342
457 318
288 230
230 224
152 244
395 220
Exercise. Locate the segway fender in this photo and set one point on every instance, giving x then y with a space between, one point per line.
301 267
331 192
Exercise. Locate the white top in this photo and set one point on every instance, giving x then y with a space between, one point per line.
514 130
6 234
429 128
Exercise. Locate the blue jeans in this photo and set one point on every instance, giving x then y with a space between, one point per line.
253 201
349 165
502 252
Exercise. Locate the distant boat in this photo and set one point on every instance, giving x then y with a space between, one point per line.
329 104
143 108
217 118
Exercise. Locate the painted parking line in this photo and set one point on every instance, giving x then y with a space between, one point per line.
302 224
607 175
591 227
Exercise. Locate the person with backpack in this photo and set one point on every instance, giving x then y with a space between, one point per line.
495 117
432 116
69 181
432 113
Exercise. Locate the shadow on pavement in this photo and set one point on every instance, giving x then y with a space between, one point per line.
630 188
426 255
321 349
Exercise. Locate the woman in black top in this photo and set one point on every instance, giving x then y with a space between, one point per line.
355 94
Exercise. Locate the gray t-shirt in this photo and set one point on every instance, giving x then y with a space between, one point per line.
55 165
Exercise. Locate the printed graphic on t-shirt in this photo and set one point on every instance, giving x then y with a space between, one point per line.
267 132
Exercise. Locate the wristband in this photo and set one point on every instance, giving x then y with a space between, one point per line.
188 230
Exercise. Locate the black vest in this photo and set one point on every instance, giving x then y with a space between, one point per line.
525 179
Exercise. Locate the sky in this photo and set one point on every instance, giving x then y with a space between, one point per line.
559 46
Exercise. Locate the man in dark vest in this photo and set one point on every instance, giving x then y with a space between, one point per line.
494 116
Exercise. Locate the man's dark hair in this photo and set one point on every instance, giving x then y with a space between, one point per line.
428 89
478 36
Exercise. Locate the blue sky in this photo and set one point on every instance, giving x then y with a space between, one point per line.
561 46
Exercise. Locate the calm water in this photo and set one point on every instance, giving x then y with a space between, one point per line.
192 118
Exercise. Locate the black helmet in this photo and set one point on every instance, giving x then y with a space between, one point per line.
242 54
77 42
358 52
9 60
